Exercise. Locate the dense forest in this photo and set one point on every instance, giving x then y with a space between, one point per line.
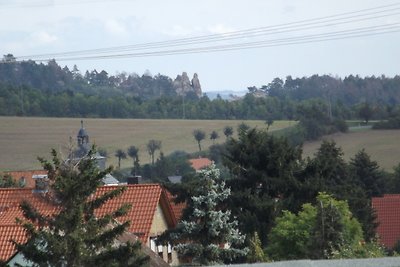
35 89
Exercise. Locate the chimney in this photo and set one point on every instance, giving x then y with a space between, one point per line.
41 183
133 179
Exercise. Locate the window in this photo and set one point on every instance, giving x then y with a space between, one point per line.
169 251
153 243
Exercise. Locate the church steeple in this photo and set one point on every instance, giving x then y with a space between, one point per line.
82 137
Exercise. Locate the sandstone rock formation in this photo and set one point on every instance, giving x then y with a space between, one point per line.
182 84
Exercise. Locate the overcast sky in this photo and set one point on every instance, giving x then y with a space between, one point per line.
32 27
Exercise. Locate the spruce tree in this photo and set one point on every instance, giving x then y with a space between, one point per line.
209 235
74 235
263 169
369 179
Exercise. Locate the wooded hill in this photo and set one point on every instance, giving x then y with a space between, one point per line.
36 89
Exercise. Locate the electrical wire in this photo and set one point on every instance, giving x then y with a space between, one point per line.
338 35
191 45
242 34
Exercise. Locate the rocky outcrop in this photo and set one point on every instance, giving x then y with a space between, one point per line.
183 85
196 85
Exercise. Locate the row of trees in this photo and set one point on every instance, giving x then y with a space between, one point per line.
51 77
30 89
133 152
26 101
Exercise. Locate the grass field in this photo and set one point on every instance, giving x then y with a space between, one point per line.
23 139
382 145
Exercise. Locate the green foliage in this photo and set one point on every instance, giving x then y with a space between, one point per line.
7 181
317 231
334 226
199 136
120 154
202 237
243 128
327 172
291 237
263 179
370 183
370 249
152 146
75 236
316 121
228 131
133 152
32 89
365 112
392 122
174 164
395 181
213 136
256 253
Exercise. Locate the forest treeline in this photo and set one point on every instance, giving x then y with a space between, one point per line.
36 89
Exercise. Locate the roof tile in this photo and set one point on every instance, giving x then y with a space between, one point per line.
387 210
200 163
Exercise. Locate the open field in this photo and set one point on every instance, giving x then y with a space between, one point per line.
382 145
23 139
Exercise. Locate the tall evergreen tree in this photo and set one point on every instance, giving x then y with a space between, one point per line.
369 180
264 179
327 172
75 235
209 235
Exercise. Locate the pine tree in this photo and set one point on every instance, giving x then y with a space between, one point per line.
209 235
74 235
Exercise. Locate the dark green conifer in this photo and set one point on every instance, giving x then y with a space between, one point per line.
74 235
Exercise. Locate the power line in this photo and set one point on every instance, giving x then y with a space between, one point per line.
339 19
338 35
191 45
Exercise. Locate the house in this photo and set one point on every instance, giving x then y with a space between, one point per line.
200 163
151 214
387 210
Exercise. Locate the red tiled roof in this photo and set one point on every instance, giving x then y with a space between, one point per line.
200 163
144 199
387 210
12 197
8 233
177 208
29 182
